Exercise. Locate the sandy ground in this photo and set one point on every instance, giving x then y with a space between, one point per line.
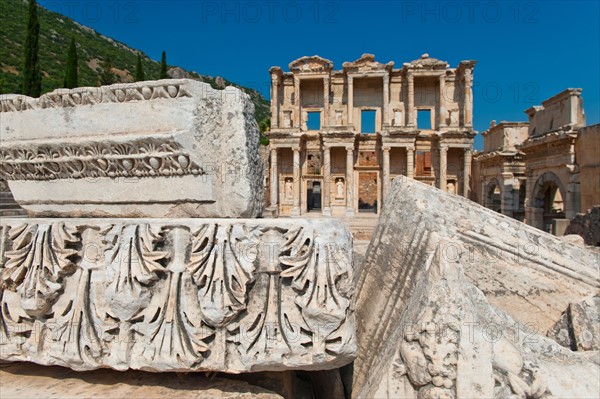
28 380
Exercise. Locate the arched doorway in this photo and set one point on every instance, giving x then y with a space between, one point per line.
493 196
549 198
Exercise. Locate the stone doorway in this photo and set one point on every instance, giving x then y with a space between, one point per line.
367 192
313 195
549 199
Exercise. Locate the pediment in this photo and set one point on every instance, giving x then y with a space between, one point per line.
312 63
367 63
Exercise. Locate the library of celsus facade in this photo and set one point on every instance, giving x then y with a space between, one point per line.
338 137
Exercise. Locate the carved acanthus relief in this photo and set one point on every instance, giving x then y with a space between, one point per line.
136 158
431 352
186 296
118 93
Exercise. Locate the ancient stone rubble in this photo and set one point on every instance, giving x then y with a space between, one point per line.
587 226
184 149
454 301
177 295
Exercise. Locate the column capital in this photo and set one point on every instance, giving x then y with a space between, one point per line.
386 78
410 76
275 79
444 147
410 148
349 148
386 148
350 79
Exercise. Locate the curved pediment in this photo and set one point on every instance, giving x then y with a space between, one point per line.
312 63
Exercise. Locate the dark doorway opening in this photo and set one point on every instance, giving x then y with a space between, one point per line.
367 192
313 196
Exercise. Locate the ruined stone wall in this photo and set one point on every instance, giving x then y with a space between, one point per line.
565 108
587 155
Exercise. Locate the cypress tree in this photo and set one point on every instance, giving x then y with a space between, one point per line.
32 77
71 72
139 70
106 76
163 66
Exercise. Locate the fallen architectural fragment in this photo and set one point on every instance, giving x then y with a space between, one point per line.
454 301
177 295
160 292
169 148
579 326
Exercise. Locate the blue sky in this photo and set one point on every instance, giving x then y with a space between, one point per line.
526 51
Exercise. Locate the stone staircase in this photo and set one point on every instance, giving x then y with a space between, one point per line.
361 225
8 206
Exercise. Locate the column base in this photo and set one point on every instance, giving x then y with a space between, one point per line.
327 211
271 211
295 211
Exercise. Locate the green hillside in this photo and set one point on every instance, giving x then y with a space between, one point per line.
55 33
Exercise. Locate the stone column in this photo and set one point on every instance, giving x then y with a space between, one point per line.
410 162
385 118
467 173
507 204
410 114
349 181
483 195
296 208
443 167
386 174
274 101
298 113
326 92
326 181
274 179
468 97
350 101
442 109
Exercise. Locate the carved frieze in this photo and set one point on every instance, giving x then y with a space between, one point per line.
188 294
117 93
135 158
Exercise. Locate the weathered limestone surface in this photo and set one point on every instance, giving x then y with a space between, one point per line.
453 299
184 149
579 326
177 294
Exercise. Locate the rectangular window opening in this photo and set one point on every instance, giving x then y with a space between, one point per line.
424 119
314 121
367 121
